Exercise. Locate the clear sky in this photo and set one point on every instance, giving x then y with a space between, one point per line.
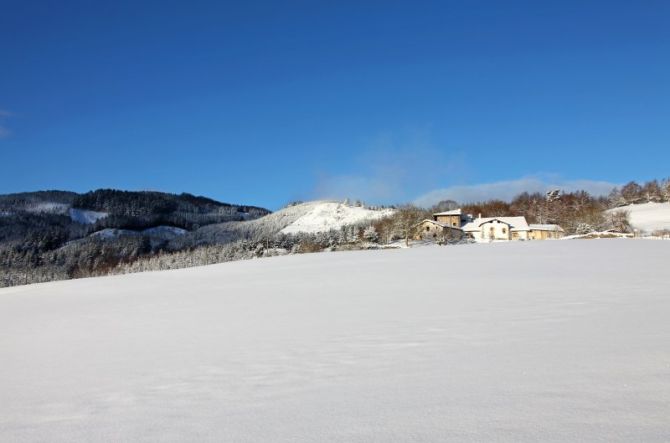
267 102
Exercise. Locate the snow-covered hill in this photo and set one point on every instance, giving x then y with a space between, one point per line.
648 217
425 344
310 217
323 216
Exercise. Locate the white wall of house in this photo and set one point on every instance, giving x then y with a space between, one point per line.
495 230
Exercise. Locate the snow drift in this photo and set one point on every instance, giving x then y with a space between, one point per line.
523 341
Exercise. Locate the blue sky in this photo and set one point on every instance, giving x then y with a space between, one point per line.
267 102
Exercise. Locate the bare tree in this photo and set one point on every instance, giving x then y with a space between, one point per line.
619 220
407 219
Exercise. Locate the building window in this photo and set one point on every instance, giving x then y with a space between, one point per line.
427 228
504 230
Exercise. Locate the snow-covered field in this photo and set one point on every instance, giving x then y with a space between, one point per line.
321 216
648 217
522 341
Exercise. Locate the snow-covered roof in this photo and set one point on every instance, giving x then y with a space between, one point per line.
515 223
452 212
545 227
444 225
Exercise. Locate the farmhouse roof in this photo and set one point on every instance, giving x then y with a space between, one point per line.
452 212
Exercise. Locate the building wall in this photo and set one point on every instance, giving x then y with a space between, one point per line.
537 234
495 230
451 220
431 231
428 230
501 231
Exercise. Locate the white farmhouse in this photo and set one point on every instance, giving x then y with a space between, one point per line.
497 229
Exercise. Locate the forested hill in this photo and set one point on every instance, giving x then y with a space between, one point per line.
128 209
57 234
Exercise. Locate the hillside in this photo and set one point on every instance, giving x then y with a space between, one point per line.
50 235
310 217
425 344
323 216
648 217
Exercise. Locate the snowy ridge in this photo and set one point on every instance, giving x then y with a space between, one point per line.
322 216
648 217
350 345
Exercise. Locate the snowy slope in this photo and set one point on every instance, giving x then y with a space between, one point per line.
321 216
534 341
85 216
311 217
648 217
158 232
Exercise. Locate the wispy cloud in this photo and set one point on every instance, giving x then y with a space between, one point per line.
392 169
4 130
508 189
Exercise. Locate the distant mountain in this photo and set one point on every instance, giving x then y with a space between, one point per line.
49 235
141 209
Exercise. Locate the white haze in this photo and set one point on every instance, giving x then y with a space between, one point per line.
508 189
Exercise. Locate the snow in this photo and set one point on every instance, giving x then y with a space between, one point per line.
112 233
521 341
86 217
309 217
648 217
47 207
165 232
158 232
322 216
452 212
